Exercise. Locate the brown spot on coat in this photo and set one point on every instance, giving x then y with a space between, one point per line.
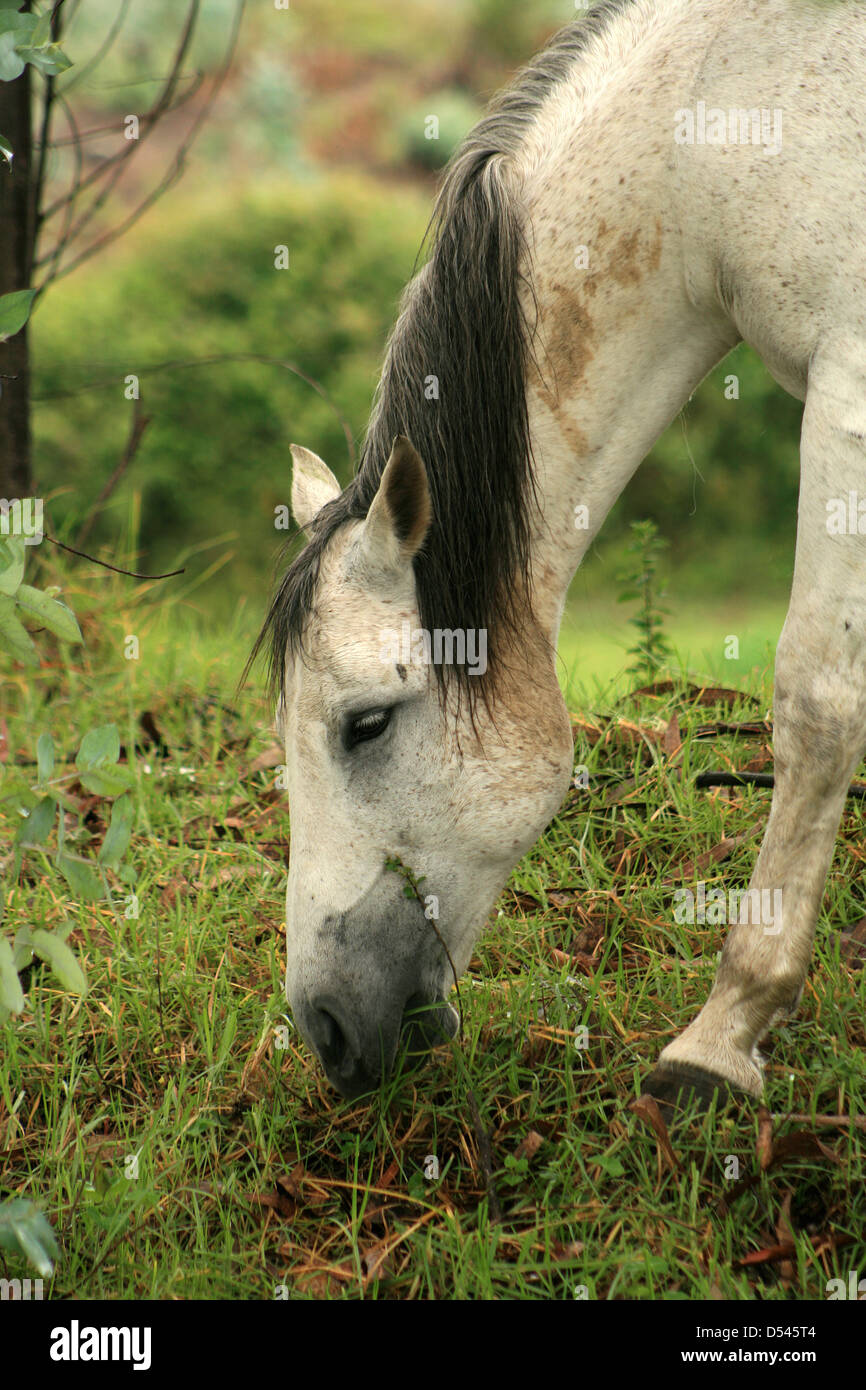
631 257
566 333
623 263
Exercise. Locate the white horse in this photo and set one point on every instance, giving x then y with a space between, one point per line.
666 179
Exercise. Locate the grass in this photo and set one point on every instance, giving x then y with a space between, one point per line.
185 1144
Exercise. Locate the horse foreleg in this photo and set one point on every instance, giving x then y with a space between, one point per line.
819 737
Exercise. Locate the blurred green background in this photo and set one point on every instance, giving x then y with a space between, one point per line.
316 143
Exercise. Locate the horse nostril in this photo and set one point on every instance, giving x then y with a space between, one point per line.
339 1048
329 1038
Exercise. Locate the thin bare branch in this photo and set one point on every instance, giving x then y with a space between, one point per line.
68 200
150 117
53 258
174 171
195 81
39 177
38 183
106 566
107 44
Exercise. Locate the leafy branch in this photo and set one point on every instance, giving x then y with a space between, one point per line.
98 770
21 601
640 583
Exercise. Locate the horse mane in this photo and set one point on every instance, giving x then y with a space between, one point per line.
461 320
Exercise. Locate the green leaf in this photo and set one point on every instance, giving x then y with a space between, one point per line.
13 636
34 44
116 841
82 879
51 613
6 150
24 1228
99 745
24 24
37 827
22 951
11 564
11 66
14 307
97 756
62 960
11 993
15 29
107 781
45 757
50 59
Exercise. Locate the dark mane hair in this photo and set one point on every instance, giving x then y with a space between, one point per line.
462 321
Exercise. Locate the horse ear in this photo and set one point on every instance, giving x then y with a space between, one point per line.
400 513
313 484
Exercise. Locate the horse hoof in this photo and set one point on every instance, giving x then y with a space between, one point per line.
678 1086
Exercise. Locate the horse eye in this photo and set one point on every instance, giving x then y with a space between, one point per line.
362 727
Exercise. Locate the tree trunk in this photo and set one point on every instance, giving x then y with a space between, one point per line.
16 239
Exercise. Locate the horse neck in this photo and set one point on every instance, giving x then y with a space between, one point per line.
627 322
